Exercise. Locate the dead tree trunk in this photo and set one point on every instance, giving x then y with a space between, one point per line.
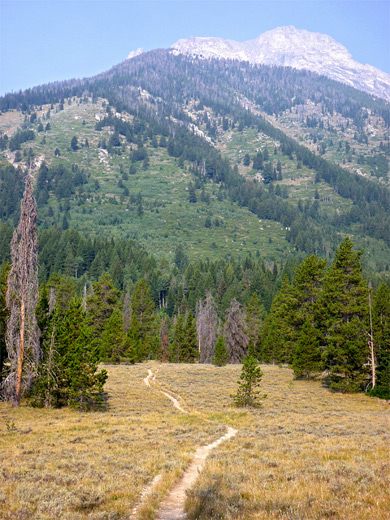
22 337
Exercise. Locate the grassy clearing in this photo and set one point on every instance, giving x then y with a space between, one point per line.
71 465
306 454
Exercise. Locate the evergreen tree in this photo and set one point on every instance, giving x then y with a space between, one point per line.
277 345
142 327
69 372
206 325
250 378
307 355
113 338
254 318
235 335
100 304
381 323
221 356
189 346
178 340
343 316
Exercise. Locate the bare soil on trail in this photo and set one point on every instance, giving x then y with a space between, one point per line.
172 507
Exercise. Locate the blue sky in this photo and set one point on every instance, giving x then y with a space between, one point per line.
43 41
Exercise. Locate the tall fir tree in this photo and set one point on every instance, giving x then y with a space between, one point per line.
381 325
305 335
254 319
342 313
307 355
112 340
100 304
206 325
142 326
177 340
189 346
277 335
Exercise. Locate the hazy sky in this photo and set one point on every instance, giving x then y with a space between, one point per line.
43 41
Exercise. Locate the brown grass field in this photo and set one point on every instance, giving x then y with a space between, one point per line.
305 454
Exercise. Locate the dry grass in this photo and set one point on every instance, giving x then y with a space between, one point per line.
71 465
306 454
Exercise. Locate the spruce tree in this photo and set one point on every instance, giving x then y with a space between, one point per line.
142 329
250 378
381 323
113 338
189 346
277 342
221 356
254 318
342 313
307 355
100 304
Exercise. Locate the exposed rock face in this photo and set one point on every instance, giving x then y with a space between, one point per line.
297 48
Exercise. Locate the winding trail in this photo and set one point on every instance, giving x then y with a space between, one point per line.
172 508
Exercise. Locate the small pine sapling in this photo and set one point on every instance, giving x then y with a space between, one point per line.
221 356
247 392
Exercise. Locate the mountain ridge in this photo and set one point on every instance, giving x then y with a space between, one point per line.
291 47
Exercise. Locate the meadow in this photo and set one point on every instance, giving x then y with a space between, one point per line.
305 453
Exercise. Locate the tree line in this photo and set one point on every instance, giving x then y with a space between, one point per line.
52 339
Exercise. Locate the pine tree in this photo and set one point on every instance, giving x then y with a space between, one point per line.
277 344
307 355
381 323
342 313
22 337
113 338
101 304
177 340
221 356
142 328
189 346
235 335
250 378
254 319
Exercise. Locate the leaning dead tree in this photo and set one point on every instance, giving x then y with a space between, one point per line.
22 337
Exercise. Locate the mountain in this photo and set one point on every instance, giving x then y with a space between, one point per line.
224 157
297 48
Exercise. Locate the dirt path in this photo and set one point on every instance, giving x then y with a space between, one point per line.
172 508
